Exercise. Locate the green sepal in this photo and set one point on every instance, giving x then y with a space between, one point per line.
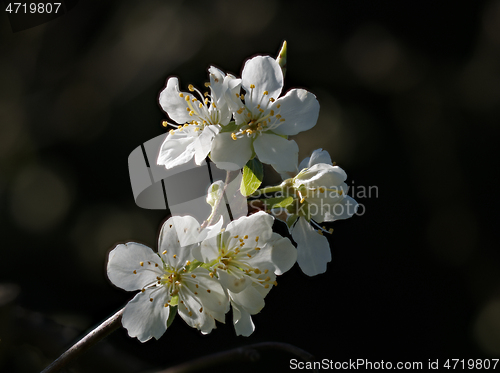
230 127
253 173
171 315
290 221
194 264
174 301
279 202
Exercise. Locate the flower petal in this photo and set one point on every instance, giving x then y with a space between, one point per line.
313 250
144 318
177 148
177 235
283 254
125 269
203 143
342 209
250 299
281 153
233 282
257 228
265 74
242 320
318 156
229 154
171 102
300 109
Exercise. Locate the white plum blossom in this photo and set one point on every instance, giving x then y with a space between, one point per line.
262 120
168 281
201 117
321 194
246 258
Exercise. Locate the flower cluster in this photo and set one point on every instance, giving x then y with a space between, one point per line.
202 271
261 119
198 273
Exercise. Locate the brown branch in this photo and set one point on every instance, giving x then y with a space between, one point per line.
100 332
248 353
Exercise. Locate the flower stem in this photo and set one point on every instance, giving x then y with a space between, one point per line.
272 189
100 332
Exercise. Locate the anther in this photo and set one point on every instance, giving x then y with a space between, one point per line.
193 276
257 239
266 286
164 252
201 309
252 86
249 255
164 123
181 94
142 264
207 84
208 290
257 248
265 272
150 299
135 272
211 275
175 256
233 136
165 305
265 93
246 236
272 99
187 98
172 132
191 88
330 230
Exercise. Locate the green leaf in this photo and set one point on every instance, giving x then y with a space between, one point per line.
253 173
278 202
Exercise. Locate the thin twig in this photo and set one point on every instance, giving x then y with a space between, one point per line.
247 353
103 330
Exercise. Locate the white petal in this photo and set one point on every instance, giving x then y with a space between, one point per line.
283 254
174 105
229 154
203 143
265 74
313 250
318 156
177 235
144 318
281 153
278 254
232 281
214 302
242 320
209 249
250 299
177 148
343 209
126 258
320 175
191 311
300 109
256 225
216 82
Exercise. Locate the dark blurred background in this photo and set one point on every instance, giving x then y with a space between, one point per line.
410 106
